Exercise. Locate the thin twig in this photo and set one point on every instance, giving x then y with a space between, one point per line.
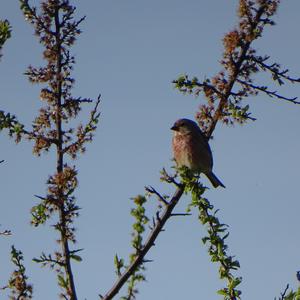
152 190
273 69
5 232
180 214
265 90
282 295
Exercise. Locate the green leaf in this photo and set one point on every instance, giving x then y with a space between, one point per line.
62 282
223 292
76 257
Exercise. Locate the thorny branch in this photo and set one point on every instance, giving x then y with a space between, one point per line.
264 89
152 190
6 232
274 69
282 295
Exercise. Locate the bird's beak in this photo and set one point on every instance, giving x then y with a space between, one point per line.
174 127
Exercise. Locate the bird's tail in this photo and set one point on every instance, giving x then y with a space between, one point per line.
215 181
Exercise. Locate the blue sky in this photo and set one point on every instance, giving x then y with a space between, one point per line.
130 51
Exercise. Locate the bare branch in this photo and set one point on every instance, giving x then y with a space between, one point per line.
273 68
85 133
264 89
282 295
169 178
151 190
180 214
5 232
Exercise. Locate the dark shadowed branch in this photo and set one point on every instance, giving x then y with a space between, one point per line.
161 219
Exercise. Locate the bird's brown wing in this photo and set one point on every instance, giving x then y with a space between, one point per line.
202 152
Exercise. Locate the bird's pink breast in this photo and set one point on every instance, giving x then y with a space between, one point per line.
190 151
182 149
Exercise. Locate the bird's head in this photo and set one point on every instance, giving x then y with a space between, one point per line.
185 126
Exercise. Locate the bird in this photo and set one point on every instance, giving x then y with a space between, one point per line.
191 149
